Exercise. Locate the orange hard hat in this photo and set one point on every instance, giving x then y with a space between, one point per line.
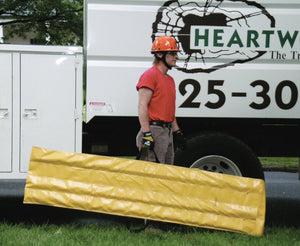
164 43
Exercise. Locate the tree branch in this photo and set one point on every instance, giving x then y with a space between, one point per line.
27 19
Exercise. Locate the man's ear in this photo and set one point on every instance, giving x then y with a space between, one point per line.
159 55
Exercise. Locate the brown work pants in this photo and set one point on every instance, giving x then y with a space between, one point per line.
163 145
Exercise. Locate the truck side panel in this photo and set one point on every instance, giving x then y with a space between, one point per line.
238 70
234 81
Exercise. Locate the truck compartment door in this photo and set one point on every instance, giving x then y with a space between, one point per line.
48 91
5 112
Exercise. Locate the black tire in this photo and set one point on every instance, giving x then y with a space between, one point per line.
222 153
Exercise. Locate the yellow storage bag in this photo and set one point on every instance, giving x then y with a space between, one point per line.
146 190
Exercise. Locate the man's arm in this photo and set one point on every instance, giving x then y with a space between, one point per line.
175 126
145 95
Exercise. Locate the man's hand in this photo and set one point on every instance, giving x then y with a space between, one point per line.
148 141
179 140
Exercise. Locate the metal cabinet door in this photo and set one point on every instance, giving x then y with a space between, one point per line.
5 112
48 91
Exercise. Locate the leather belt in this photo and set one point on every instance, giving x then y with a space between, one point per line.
161 123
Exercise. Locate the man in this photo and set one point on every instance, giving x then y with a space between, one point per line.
156 106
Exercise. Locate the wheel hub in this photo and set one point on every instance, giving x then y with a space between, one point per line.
217 164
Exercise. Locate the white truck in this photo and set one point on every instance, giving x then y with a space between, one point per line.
237 78
237 82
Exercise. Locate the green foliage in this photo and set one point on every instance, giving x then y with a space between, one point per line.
54 22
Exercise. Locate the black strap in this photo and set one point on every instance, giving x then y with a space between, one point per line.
134 226
131 225
143 152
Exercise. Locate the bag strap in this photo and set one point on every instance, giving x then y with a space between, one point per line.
131 226
143 152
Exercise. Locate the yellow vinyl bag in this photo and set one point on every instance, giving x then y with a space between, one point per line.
146 190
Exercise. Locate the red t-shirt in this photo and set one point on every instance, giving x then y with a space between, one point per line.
162 103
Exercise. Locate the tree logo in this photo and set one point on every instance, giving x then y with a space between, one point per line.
214 34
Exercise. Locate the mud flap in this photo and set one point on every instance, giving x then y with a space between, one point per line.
146 190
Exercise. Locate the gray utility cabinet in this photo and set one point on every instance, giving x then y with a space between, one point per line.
40 103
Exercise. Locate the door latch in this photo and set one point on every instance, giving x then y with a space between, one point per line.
3 113
30 114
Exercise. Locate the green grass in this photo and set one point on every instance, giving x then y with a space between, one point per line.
52 235
267 161
280 161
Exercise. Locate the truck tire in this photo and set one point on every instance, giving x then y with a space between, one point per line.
222 153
